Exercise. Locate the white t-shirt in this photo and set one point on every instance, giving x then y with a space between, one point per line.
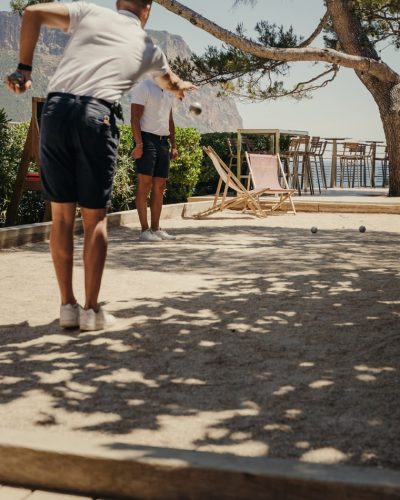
107 53
157 106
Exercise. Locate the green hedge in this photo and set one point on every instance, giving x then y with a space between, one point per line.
12 140
208 177
184 173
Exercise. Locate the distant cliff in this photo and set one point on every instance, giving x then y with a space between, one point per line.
219 113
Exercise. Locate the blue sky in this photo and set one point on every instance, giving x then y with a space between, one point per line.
343 108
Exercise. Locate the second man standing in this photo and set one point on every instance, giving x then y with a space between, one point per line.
153 130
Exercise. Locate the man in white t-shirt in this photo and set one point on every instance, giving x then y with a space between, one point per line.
153 131
107 53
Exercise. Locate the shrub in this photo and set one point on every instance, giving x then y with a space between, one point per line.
185 170
124 188
12 140
208 176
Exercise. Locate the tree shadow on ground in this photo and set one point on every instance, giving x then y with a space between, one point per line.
290 350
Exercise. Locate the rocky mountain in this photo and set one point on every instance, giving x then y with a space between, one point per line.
219 113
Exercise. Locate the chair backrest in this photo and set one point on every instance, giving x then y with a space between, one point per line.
246 143
382 152
317 146
353 149
294 145
265 170
224 171
297 145
314 142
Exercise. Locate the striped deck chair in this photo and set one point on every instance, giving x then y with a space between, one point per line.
247 199
264 171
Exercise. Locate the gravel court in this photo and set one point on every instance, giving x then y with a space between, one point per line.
246 336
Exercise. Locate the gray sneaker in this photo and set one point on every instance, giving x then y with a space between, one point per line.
164 235
90 320
149 236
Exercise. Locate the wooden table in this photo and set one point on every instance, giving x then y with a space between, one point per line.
274 133
334 156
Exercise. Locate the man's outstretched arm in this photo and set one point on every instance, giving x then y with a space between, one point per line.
52 15
170 81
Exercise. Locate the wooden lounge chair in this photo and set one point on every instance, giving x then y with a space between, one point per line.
265 172
247 199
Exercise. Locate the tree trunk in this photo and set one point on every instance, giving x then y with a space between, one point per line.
387 97
391 125
352 38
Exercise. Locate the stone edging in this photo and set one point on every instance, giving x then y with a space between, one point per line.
105 467
19 235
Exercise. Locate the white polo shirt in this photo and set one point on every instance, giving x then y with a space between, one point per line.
108 52
157 106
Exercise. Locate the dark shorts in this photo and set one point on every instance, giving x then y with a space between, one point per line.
156 156
78 150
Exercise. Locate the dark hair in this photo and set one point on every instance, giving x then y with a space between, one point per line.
141 3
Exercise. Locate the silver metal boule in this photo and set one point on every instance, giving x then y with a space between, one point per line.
195 108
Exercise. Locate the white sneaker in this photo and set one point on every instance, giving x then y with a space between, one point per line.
69 316
149 236
164 235
90 320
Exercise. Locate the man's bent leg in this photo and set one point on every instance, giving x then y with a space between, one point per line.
94 253
62 248
156 201
143 190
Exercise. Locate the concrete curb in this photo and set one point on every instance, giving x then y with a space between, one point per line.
121 470
329 206
20 235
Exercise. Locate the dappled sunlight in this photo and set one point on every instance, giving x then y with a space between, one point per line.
253 341
320 384
302 445
293 413
324 456
278 427
123 375
188 381
286 389
369 374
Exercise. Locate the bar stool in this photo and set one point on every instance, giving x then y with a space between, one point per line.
353 163
315 157
301 174
383 157
290 156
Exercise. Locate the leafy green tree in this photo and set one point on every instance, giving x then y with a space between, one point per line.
256 68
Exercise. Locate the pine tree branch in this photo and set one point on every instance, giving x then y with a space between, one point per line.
366 65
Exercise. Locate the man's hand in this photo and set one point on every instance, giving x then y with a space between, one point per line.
174 84
184 87
174 153
19 81
137 152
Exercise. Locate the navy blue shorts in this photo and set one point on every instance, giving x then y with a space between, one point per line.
78 150
156 156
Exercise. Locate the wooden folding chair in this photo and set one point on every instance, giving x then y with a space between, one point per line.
245 198
266 171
